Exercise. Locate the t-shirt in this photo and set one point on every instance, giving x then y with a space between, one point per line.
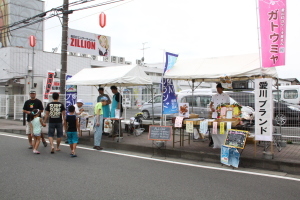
98 107
29 105
218 99
55 112
77 110
117 98
100 97
71 121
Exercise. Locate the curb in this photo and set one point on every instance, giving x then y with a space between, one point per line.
245 162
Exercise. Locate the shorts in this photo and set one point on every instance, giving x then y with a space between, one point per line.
37 134
28 128
72 137
58 127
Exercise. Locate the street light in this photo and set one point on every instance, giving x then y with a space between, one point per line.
32 43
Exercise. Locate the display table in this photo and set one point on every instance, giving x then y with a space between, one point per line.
218 138
116 127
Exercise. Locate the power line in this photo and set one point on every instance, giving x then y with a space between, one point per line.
90 15
57 11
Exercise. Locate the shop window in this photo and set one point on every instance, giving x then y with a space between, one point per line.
277 95
290 94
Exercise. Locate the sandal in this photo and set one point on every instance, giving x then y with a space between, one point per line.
74 155
52 151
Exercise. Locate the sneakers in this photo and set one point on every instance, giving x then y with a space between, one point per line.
36 152
45 143
97 148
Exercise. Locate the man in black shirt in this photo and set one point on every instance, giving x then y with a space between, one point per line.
29 105
56 112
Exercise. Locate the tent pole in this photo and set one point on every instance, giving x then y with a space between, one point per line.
193 85
152 96
120 102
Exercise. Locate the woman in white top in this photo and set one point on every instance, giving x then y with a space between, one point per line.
36 127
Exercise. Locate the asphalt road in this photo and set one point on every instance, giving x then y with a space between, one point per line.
103 175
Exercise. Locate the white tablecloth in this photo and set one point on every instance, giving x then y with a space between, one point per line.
219 139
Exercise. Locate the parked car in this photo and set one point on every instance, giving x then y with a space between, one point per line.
290 94
284 113
198 103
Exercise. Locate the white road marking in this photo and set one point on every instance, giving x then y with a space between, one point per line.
168 161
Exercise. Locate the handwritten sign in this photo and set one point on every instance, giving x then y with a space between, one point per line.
178 121
162 133
236 138
189 126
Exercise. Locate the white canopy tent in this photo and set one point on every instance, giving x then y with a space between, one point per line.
238 67
124 75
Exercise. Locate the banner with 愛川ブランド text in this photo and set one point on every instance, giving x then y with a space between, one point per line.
263 109
272 16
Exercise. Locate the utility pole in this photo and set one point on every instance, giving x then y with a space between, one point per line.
64 47
143 58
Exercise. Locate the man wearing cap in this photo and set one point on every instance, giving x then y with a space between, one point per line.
219 98
78 107
29 105
216 100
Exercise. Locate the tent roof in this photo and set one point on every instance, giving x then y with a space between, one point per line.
239 67
125 75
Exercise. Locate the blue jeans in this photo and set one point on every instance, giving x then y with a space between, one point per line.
98 131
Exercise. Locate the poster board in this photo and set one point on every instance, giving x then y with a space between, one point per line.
161 133
189 125
236 138
184 110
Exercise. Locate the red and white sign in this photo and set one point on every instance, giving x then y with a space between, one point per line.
88 43
48 86
273 32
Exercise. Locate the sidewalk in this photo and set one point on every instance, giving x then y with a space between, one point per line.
288 160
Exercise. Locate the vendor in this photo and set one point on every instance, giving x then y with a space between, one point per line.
78 107
219 98
216 100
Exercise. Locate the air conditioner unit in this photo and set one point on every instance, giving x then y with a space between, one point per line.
94 57
106 59
121 60
72 54
114 59
138 62
84 55
128 63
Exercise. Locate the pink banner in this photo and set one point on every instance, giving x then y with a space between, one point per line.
273 32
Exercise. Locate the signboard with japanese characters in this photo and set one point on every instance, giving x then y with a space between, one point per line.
273 32
263 109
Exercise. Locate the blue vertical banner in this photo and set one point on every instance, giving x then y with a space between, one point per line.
71 93
170 104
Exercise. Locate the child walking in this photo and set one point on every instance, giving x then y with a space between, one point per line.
73 129
36 127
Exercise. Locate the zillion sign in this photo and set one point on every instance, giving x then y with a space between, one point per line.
88 43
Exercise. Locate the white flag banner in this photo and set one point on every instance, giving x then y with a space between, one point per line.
263 109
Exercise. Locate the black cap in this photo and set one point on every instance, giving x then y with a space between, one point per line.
32 92
219 85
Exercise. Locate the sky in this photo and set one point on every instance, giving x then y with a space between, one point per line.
190 28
